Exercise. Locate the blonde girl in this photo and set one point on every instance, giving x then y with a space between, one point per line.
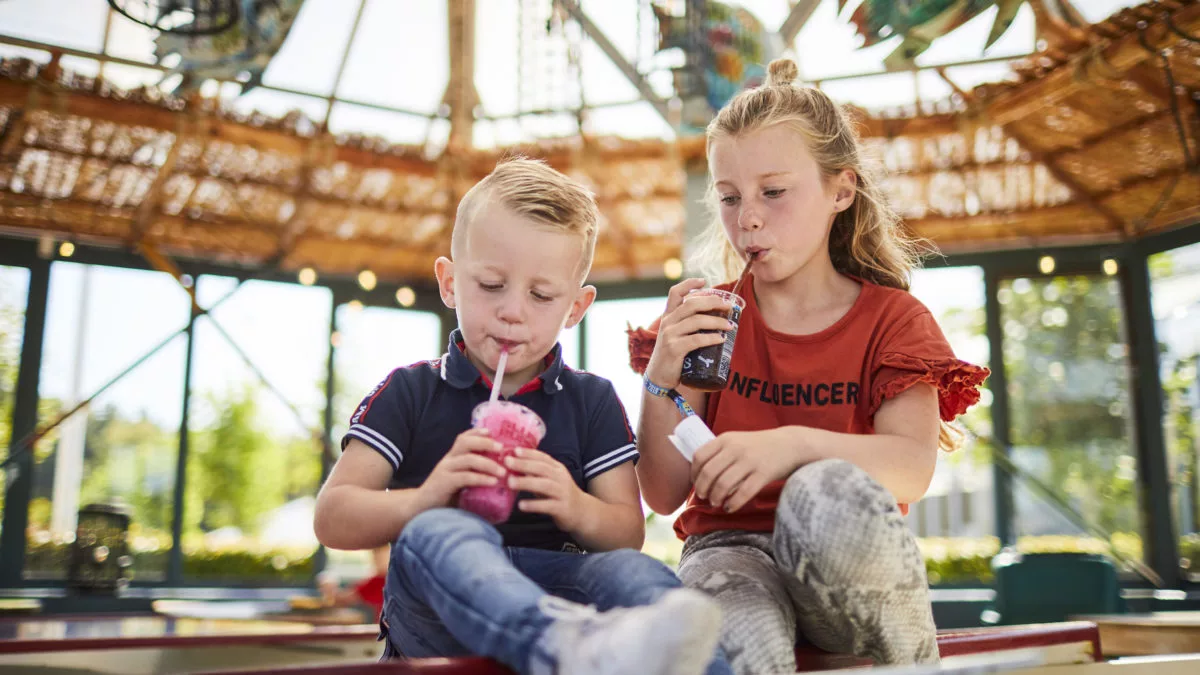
840 386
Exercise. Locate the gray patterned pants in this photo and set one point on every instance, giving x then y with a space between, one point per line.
841 566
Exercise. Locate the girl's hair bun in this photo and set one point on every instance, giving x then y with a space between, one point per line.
782 72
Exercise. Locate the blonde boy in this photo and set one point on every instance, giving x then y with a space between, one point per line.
521 248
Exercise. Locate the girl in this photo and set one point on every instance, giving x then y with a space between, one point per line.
829 425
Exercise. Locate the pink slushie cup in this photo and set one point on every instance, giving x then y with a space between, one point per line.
514 426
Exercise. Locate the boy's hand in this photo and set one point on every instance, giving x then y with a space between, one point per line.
679 331
541 474
731 469
462 467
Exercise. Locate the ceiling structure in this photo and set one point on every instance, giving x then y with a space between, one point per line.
1085 141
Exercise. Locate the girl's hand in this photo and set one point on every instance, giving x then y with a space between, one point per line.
679 331
464 466
561 499
734 467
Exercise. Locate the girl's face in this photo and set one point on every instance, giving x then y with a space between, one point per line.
774 202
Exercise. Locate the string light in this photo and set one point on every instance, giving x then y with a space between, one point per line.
673 268
307 276
1110 267
1046 264
367 280
66 249
406 296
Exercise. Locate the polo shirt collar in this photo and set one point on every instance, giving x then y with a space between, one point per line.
458 371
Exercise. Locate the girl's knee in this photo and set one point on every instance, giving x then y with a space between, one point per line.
443 527
832 491
835 518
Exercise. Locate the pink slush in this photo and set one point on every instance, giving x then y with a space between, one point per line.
514 426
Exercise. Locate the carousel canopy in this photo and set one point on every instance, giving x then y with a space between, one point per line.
1091 137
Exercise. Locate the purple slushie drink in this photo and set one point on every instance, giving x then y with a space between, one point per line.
514 426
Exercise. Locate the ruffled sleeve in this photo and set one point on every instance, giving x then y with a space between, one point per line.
641 345
918 352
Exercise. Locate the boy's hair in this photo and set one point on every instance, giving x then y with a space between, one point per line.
531 189
867 240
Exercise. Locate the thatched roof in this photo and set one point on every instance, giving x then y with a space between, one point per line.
1081 146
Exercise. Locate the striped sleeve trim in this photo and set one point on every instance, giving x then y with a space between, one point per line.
379 442
609 460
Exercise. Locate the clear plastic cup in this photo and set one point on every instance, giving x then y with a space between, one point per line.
707 368
514 426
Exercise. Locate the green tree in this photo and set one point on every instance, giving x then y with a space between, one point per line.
1068 380
237 473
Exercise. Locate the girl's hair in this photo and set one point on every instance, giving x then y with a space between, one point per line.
867 240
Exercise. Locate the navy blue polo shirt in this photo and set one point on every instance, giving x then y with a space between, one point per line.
414 415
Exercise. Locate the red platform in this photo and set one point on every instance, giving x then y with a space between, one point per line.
1082 634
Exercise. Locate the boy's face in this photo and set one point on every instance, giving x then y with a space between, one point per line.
515 285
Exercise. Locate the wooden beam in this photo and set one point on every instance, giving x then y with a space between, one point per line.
1068 180
142 114
461 95
148 207
801 12
1115 58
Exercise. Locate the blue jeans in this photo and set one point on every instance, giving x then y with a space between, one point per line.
453 589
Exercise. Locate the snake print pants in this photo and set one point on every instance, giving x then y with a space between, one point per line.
841 571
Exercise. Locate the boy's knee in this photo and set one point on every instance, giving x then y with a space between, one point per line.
636 567
443 527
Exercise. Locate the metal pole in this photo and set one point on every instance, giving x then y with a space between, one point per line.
321 558
19 475
1154 487
998 383
175 558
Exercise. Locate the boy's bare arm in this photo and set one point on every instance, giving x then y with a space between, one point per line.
613 512
355 511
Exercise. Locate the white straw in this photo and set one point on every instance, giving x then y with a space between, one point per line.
499 375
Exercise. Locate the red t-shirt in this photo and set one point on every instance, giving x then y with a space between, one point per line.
835 380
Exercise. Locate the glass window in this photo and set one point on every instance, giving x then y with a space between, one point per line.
955 520
1065 356
77 24
400 56
1175 296
608 350
254 455
14 291
369 343
123 447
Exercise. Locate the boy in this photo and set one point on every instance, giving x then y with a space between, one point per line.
522 245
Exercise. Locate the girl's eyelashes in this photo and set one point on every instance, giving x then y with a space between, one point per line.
774 193
729 200
490 287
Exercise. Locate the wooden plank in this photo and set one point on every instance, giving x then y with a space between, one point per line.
1146 634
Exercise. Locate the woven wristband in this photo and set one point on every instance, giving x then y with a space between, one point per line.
662 392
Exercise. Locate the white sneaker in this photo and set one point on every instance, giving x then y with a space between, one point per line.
675 636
